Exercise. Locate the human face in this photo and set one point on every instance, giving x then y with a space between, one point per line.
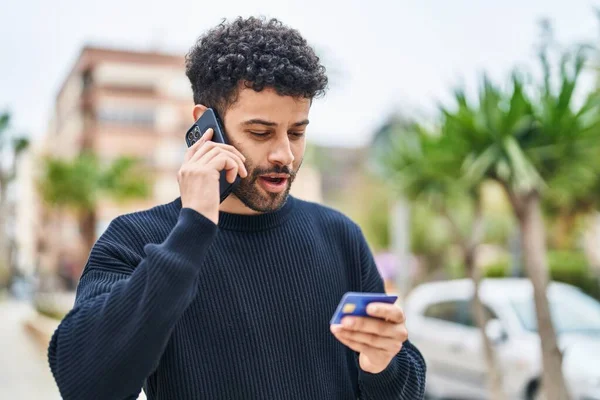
269 129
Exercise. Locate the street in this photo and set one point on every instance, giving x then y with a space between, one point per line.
24 371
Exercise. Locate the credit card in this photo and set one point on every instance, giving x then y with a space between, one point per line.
355 304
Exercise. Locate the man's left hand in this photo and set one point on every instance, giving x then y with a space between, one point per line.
377 340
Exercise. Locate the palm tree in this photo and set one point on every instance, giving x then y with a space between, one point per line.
533 145
570 212
427 169
11 148
78 184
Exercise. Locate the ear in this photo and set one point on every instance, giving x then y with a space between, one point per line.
198 111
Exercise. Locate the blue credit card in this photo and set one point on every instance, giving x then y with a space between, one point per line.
355 304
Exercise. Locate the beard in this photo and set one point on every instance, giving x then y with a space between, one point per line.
257 199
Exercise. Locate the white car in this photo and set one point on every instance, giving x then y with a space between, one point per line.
441 325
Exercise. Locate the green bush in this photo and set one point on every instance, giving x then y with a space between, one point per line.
565 266
497 270
455 270
572 267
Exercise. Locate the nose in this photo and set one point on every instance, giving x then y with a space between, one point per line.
281 152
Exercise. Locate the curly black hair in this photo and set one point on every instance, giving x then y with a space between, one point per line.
258 53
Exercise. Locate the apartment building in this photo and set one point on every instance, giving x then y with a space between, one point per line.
117 102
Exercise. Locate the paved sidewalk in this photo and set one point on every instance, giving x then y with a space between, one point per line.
24 371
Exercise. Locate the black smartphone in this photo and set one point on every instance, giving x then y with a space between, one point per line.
210 119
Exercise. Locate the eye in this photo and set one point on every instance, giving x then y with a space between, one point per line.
259 134
297 135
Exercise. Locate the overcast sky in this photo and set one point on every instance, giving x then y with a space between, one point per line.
383 55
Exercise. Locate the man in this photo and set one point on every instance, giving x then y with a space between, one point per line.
201 300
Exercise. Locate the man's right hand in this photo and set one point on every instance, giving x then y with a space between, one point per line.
199 174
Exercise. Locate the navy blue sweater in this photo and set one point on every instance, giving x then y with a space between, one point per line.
172 303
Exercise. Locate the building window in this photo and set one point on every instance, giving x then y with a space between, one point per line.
86 78
124 116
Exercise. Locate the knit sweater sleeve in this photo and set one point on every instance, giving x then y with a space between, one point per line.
113 338
404 378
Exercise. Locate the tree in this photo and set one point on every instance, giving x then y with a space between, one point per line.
11 148
569 213
427 169
79 183
533 143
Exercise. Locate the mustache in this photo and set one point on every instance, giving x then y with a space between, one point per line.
274 170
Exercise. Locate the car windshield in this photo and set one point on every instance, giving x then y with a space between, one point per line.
572 312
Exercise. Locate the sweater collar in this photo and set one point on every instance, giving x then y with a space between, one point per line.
254 222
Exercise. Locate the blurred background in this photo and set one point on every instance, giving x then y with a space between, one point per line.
463 137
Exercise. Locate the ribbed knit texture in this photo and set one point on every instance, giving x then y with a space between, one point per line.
170 302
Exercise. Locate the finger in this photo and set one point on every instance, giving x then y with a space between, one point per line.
208 135
228 163
362 348
211 145
380 342
235 150
231 174
198 145
208 146
219 147
371 325
356 346
216 151
388 312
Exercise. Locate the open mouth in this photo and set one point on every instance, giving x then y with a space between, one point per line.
276 181
274 184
